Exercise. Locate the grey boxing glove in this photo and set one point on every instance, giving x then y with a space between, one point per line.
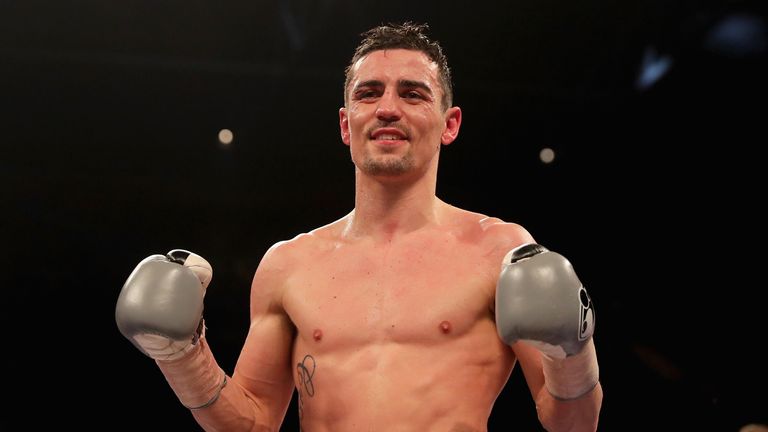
540 300
160 307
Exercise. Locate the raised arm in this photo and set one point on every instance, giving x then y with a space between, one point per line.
160 311
262 383
546 315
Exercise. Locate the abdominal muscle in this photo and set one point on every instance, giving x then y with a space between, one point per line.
387 385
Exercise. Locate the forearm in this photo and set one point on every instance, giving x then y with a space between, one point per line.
577 415
571 397
216 402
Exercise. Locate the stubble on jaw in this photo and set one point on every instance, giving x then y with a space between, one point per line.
387 165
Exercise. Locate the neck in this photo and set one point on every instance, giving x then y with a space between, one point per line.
385 208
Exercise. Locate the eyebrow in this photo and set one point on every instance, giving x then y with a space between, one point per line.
401 83
415 84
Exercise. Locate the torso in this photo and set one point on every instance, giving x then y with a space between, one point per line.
398 335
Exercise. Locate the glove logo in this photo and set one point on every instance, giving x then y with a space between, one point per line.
586 315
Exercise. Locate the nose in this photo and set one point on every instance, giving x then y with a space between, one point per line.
388 109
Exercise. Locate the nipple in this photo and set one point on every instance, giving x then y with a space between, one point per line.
445 327
317 335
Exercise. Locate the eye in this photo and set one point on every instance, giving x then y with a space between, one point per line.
413 95
366 94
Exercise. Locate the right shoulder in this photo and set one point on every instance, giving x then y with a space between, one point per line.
273 271
285 254
281 257
284 258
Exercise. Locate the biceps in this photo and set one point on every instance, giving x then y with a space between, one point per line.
264 366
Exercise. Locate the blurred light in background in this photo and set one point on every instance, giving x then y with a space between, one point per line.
547 155
653 67
738 35
226 136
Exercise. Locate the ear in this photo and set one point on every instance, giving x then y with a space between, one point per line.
452 125
344 125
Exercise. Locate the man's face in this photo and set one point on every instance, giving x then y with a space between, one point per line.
393 120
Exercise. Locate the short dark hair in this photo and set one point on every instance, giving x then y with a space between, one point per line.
410 36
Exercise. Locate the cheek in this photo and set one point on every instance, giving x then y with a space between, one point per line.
428 117
432 126
355 121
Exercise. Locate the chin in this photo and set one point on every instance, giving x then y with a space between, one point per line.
387 168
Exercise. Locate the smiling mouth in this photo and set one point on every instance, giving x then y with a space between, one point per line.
389 137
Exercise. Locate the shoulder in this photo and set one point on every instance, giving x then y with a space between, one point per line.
508 234
492 236
284 258
306 244
499 237
283 255
491 231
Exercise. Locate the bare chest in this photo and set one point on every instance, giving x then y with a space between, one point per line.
422 295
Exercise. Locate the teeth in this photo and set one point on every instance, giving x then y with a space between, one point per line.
388 137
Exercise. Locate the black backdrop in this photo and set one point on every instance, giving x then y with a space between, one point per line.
108 134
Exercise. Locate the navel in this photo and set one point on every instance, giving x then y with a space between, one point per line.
445 327
317 335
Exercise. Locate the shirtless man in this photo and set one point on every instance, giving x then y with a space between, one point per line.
407 314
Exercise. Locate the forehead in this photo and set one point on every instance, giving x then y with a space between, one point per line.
395 64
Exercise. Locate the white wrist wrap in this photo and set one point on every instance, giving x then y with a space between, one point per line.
196 378
572 377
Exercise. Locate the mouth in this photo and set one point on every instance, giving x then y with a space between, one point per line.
388 136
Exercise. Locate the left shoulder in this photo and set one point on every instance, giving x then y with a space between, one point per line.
494 235
490 239
502 235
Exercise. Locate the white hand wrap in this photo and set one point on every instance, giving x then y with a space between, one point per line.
572 377
196 378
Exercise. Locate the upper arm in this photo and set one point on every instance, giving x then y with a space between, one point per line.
498 239
555 415
263 369
505 236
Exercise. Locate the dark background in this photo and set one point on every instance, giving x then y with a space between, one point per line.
109 153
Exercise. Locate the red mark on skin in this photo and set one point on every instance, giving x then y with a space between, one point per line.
317 335
445 327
